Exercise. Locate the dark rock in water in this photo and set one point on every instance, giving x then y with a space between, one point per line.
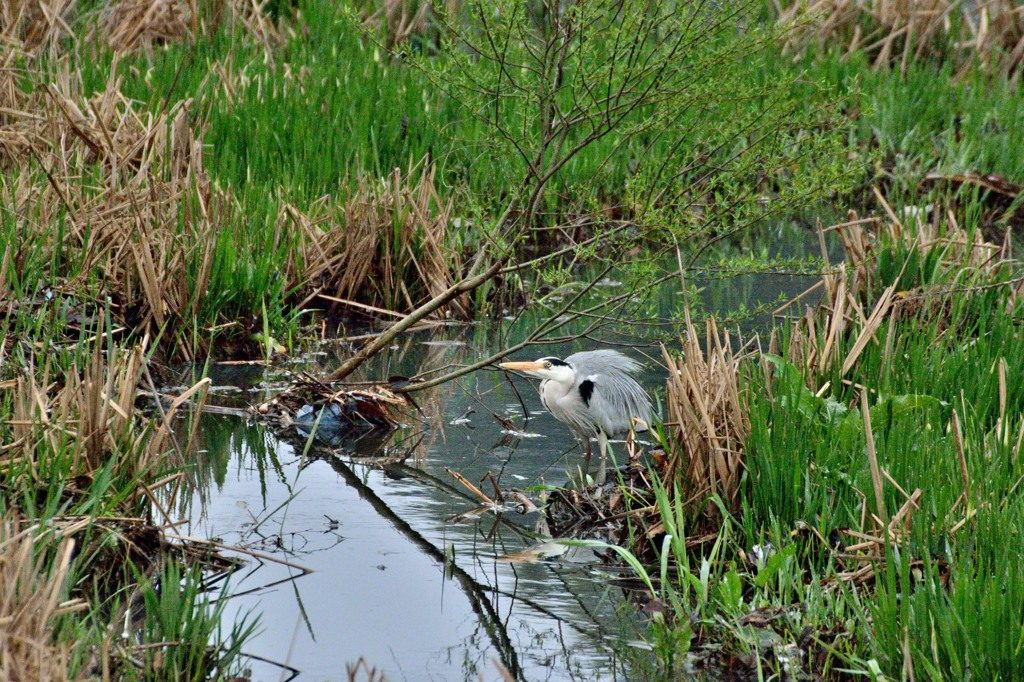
342 420
333 426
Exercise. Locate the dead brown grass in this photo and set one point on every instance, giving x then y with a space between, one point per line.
114 204
959 249
79 446
400 20
140 25
816 337
34 26
708 417
386 247
132 25
127 188
52 27
706 406
895 32
112 197
852 302
76 437
77 423
31 596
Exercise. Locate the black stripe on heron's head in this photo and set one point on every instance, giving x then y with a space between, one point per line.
555 361
586 390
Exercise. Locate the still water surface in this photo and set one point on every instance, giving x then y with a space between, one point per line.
391 578
394 581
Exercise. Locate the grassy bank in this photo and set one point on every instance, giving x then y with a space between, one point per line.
842 499
858 474
238 144
95 585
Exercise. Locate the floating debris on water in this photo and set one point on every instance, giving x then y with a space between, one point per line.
443 344
314 408
464 419
543 551
522 434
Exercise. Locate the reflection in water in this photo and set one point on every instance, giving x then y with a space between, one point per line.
391 581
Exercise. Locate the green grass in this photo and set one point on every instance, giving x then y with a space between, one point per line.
307 118
328 106
940 377
331 104
928 121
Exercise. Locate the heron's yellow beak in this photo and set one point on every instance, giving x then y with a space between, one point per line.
522 366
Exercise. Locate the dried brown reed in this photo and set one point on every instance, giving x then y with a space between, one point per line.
815 342
31 590
386 246
34 26
862 240
65 428
879 532
852 301
894 32
146 219
87 417
132 25
708 417
370 672
37 27
400 20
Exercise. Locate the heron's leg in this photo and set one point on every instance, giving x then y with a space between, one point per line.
588 451
602 441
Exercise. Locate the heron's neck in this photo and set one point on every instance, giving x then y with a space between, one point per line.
552 391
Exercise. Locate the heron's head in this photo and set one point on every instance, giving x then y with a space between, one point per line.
545 368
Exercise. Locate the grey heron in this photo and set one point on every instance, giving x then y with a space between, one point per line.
592 392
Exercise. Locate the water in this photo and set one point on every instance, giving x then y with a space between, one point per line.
391 580
368 563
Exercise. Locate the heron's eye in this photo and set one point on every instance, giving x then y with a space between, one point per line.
547 365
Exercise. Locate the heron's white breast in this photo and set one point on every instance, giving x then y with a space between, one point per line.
563 401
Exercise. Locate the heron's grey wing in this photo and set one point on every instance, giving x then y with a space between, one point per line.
613 396
615 399
601 362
